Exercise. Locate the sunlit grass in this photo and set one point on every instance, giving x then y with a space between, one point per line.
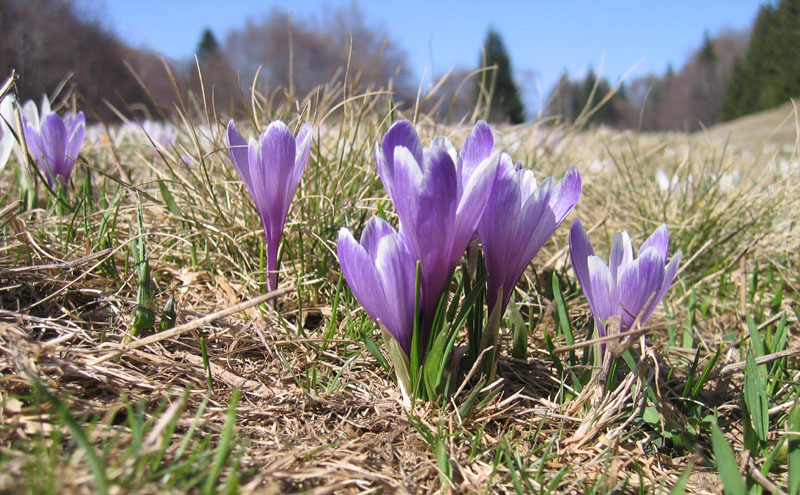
302 397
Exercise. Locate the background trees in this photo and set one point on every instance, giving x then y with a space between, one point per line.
501 90
301 54
769 73
48 43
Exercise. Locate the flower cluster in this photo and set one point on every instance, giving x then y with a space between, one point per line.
442 199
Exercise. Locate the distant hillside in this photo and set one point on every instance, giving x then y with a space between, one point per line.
49 42
776 126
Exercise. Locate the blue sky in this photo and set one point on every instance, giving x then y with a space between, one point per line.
543 37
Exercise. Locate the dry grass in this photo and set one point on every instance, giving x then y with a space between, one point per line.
318 412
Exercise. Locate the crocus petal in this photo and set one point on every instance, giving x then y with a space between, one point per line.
669 275
7 141
444 142
476 193
272 177
496 235
536 221
560 202
567 193
659 240
238 151
396 267
401 134
77 131
53 135
303 149
359 270
31 113
404 185
477 147
377 228
580 250
45 107
621 254
254 160
6 112
432 238
605 297
639 285
383 284
33 139
527 179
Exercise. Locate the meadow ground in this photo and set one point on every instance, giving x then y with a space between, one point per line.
138 356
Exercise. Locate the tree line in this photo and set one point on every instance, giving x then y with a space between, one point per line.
51 45
730 75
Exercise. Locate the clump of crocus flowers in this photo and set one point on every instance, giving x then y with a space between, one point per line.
271 168
55 144
445 200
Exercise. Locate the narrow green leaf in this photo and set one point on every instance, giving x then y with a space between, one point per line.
548 344
206 364
732 482
680 486
755 337
778 342
756 399
489 338
687 386
414 359
519 333
794 450
687 340
168 315
224 447
64 416
700 383
376 353
443 462
561 310
169 200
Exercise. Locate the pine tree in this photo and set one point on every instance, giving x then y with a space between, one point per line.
770 73
734 92
506 104
208 45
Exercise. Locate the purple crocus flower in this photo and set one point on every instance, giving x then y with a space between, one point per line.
519 218
626 287
438 208
56 144
381 272
271 169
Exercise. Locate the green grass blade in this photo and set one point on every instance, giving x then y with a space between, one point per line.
225 445
700 383
680 486
64 416
373 349
728 469
755 399
794 450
